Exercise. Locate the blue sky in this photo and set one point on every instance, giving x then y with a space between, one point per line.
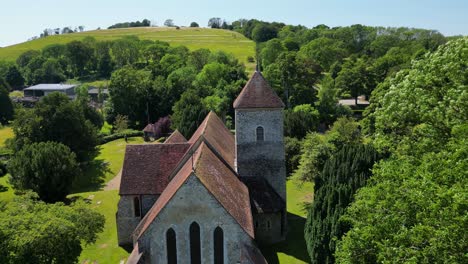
22 19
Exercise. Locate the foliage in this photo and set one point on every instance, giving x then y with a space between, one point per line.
35 232
188 114
318 148
162 127
300 120
327 104
56 118
121 123
415 204
6 106
324 50
292 148
125 133
342 175
47 168
194 24
144 23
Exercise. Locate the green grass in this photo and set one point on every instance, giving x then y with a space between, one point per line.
5 133
6 191
106 249
193 38
293 250
105 165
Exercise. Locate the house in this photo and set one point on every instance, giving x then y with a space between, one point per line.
213 198
98 96
44 89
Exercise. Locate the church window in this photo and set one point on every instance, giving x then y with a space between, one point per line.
260 134
256 224
218 246
136 206
268 224
171 245
195 250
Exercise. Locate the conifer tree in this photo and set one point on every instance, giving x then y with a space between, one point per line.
341 177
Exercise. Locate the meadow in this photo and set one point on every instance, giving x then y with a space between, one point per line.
193 38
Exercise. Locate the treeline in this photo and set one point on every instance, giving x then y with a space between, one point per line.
144 23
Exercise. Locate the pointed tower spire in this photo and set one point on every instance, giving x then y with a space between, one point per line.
257 93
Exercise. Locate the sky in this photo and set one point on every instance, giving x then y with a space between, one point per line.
23 19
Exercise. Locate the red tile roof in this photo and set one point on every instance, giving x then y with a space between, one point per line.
175 137
218 179
257 93
218 136
147 167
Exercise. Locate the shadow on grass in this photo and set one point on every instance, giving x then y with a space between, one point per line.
92 179
294 245
3 188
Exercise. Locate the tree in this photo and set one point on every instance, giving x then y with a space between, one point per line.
300 120
354 79
420 117
194 24
56 118
6 106
47 168
215 22
263 32
104 63
14 78
35 232
124 52
342 175
121 123
273 48
169 23
188 113
79 55
324 51
26 57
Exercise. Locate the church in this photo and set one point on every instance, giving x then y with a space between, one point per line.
213 198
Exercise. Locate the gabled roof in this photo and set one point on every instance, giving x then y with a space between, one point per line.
51 86
250 254
149 128
213 130
175 137
217 178
263 198
257 93
146 167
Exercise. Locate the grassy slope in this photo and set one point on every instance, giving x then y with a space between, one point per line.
193 38
5 133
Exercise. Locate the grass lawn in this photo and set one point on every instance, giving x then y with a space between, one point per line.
193 38
105 166
293 250
5 133
6 192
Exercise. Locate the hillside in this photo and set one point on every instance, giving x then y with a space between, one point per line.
193 38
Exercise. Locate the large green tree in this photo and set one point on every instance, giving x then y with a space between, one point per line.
56 118
34 232
6 106
414 209
343 174
47 168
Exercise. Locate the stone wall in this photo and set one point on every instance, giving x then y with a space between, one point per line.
269 228
261 158
193 203
126 219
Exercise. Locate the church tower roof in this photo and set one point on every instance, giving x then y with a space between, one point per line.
257 93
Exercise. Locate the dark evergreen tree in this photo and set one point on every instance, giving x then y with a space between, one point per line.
6 106
334 189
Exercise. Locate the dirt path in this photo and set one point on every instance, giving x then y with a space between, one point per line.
114 183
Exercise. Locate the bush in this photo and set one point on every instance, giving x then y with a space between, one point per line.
128 133
250 59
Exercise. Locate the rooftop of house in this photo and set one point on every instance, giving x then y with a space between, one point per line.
175 137
257 93
51 87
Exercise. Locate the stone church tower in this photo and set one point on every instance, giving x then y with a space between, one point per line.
260 152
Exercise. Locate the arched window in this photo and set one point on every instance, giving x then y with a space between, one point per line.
268 224
171 245
195 250
136 206
218 239
260 134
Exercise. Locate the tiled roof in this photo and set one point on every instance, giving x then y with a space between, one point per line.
257 93
135 256
149 128
147 167
250 254
51 86
175 137
218 179
263 197
218 136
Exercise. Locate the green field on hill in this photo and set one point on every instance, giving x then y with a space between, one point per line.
193 38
